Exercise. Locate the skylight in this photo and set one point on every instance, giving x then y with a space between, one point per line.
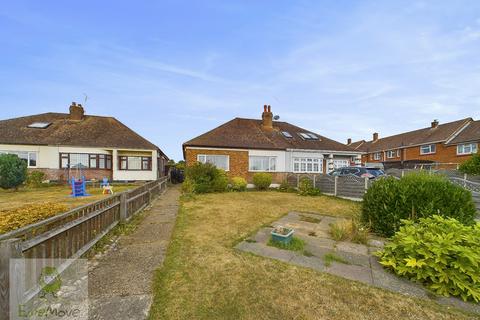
39 125
308 136
287 134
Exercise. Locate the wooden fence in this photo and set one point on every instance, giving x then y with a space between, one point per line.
66 237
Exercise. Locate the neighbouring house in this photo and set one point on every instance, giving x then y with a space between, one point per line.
64 145
447 145
243 147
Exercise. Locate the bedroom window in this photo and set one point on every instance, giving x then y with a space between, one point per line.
262 163
135 163
467 148
427 149
391 154
313 165
85 161
377 156
219 161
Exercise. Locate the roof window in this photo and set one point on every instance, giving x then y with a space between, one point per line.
308 136
39 125
287 134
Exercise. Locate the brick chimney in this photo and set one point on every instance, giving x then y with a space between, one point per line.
375 136
435 123
349 141
76 112
267 118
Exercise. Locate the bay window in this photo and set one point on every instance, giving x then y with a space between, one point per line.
467 148
313 165
262 163
219 161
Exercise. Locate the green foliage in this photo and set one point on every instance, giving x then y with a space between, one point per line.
388 201
306 188
187 186
440 252
472 165
295 244
262 180
35 178
205 178
285 187
349 230
239 184
13 171
331 257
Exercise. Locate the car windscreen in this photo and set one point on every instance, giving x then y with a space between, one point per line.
375 172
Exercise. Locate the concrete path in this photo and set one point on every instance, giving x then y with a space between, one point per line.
120 285
358 262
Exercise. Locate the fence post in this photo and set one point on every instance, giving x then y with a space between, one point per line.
123 207
9 249
464 180
314 181
335 186
403 173
298 180
366 184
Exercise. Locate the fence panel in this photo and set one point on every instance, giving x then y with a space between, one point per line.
351 186
67 236
326 184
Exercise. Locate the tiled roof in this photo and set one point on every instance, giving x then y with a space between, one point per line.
470 133
242 133
92 131
358 145
417 137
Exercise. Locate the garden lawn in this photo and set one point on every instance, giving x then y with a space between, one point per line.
204 277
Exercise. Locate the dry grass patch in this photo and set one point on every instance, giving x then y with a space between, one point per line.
204 277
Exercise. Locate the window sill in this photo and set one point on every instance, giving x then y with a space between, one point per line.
427 154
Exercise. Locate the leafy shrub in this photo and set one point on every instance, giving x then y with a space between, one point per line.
13 171
205 178
262 180
239 184
187 186
35 178
472 165
16 218
306 188
440 252
388 201
286 187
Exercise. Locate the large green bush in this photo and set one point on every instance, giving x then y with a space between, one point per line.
262 180
239 184
416 195
205 178
472 165
13 171
440 252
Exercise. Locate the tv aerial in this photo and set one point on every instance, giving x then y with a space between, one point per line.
276 117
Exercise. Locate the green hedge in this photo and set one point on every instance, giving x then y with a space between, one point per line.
262 180
415 196
13 171
306 188
205 178
238 184
440 252
472 165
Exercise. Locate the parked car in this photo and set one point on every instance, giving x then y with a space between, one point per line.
362 172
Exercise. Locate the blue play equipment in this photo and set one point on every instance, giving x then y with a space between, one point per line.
104 183
79 187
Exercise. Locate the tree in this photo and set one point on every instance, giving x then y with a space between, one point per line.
13 171
472 165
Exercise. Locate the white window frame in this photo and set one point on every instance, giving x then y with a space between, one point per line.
29 153
272 160
392 154
377 156
204 156
429 146
304 162
340 163
473 148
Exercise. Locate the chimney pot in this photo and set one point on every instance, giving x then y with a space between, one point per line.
375 136
264 108
349 141
435 123
76 112
267 118
269 108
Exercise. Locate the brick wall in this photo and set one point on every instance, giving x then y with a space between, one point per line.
62 174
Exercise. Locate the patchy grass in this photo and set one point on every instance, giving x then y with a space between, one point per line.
204 277
295 244
349 230
28 205
309 219
330 257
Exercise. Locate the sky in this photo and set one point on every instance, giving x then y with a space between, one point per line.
172 70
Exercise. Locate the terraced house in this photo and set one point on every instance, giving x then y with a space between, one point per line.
243 147
72 144
446 145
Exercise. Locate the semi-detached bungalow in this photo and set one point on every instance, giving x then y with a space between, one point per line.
243 147
64 145
446 145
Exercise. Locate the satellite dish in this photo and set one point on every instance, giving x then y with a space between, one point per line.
276 117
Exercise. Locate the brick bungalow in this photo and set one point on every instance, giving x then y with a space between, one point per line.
446 144
243 147
69 144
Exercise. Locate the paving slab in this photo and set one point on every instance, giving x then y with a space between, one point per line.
351 272
352 248
266 251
